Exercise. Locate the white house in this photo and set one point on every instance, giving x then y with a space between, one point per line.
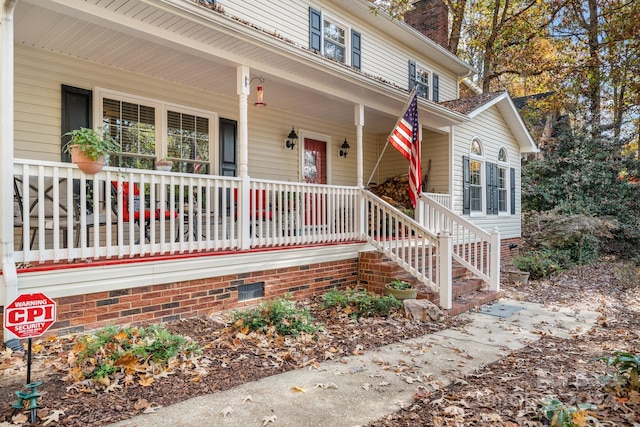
274 115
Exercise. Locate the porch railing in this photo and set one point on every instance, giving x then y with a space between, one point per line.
473 248
419 251
443 199
62 214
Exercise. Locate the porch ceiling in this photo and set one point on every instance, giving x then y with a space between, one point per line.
158 39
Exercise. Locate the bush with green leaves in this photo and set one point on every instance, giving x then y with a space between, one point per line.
542 263
566 416
101 354
281 314
360 303
627 367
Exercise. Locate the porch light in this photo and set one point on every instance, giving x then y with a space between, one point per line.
291 140
344 149
260 93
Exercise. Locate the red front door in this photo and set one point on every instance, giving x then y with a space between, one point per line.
315 161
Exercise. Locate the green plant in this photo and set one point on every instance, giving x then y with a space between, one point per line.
102 354
627 273
92 144
281 314
627 365
542 263
566 416
400 285
360 303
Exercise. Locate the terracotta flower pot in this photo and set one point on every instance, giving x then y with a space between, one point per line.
84 163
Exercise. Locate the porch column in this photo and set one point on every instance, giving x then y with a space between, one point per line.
9 276
359 123
244 81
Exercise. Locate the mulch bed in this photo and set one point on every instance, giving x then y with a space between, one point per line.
505 393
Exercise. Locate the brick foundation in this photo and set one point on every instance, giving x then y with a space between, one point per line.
162 303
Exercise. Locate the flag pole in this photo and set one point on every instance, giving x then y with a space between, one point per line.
406 105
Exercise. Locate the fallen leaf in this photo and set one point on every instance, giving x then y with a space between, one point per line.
269 420
454 410
19 419
53 417
151 409
146 382
247 398
226 411
327 385
141 404
298 389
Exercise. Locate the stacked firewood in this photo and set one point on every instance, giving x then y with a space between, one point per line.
394 190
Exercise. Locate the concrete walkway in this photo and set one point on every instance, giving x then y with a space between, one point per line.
356 390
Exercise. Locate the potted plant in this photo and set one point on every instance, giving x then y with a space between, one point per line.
401 289
164 164
88 148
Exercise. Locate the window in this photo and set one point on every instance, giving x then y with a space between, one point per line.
427 83
475 184
503 201
422 82
334 42
149 129
473 180
334 39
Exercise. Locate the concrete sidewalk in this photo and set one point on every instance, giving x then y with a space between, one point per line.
356 390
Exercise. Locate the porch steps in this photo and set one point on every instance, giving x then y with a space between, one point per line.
468 291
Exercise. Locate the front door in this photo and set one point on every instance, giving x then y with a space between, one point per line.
315 161
315 172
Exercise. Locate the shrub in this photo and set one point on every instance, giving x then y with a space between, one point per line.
627 366
542 263
566 416
360 303
627 273
102 354
282 314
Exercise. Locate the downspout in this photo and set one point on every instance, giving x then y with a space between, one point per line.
9 272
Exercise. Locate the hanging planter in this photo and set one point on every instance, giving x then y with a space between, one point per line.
89 148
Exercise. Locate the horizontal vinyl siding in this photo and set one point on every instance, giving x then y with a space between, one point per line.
435 147
39 76
493 132
382 55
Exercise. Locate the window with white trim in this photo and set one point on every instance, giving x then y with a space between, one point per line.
426 81
334 39
423 81
503 182
473 172
149 129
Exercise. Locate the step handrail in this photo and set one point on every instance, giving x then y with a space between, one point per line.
403 240
473 248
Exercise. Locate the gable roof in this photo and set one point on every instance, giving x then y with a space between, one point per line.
474 105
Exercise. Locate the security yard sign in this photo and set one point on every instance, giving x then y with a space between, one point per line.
30 315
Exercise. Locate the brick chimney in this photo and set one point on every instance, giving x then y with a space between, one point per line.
431 18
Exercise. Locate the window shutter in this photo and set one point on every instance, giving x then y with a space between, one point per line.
436 88
315 31
512 172
412 74
492 188
355 49
76 113
466 180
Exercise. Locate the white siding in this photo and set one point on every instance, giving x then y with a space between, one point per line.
382 55
435 148
493 132
39 76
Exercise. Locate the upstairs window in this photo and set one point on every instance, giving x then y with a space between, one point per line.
427 82
334 39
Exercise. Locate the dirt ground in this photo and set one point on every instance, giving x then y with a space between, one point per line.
506 393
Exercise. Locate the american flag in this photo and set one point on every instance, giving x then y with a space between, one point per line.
405 138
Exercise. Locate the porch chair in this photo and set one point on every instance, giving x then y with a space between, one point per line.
141 218
47 221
